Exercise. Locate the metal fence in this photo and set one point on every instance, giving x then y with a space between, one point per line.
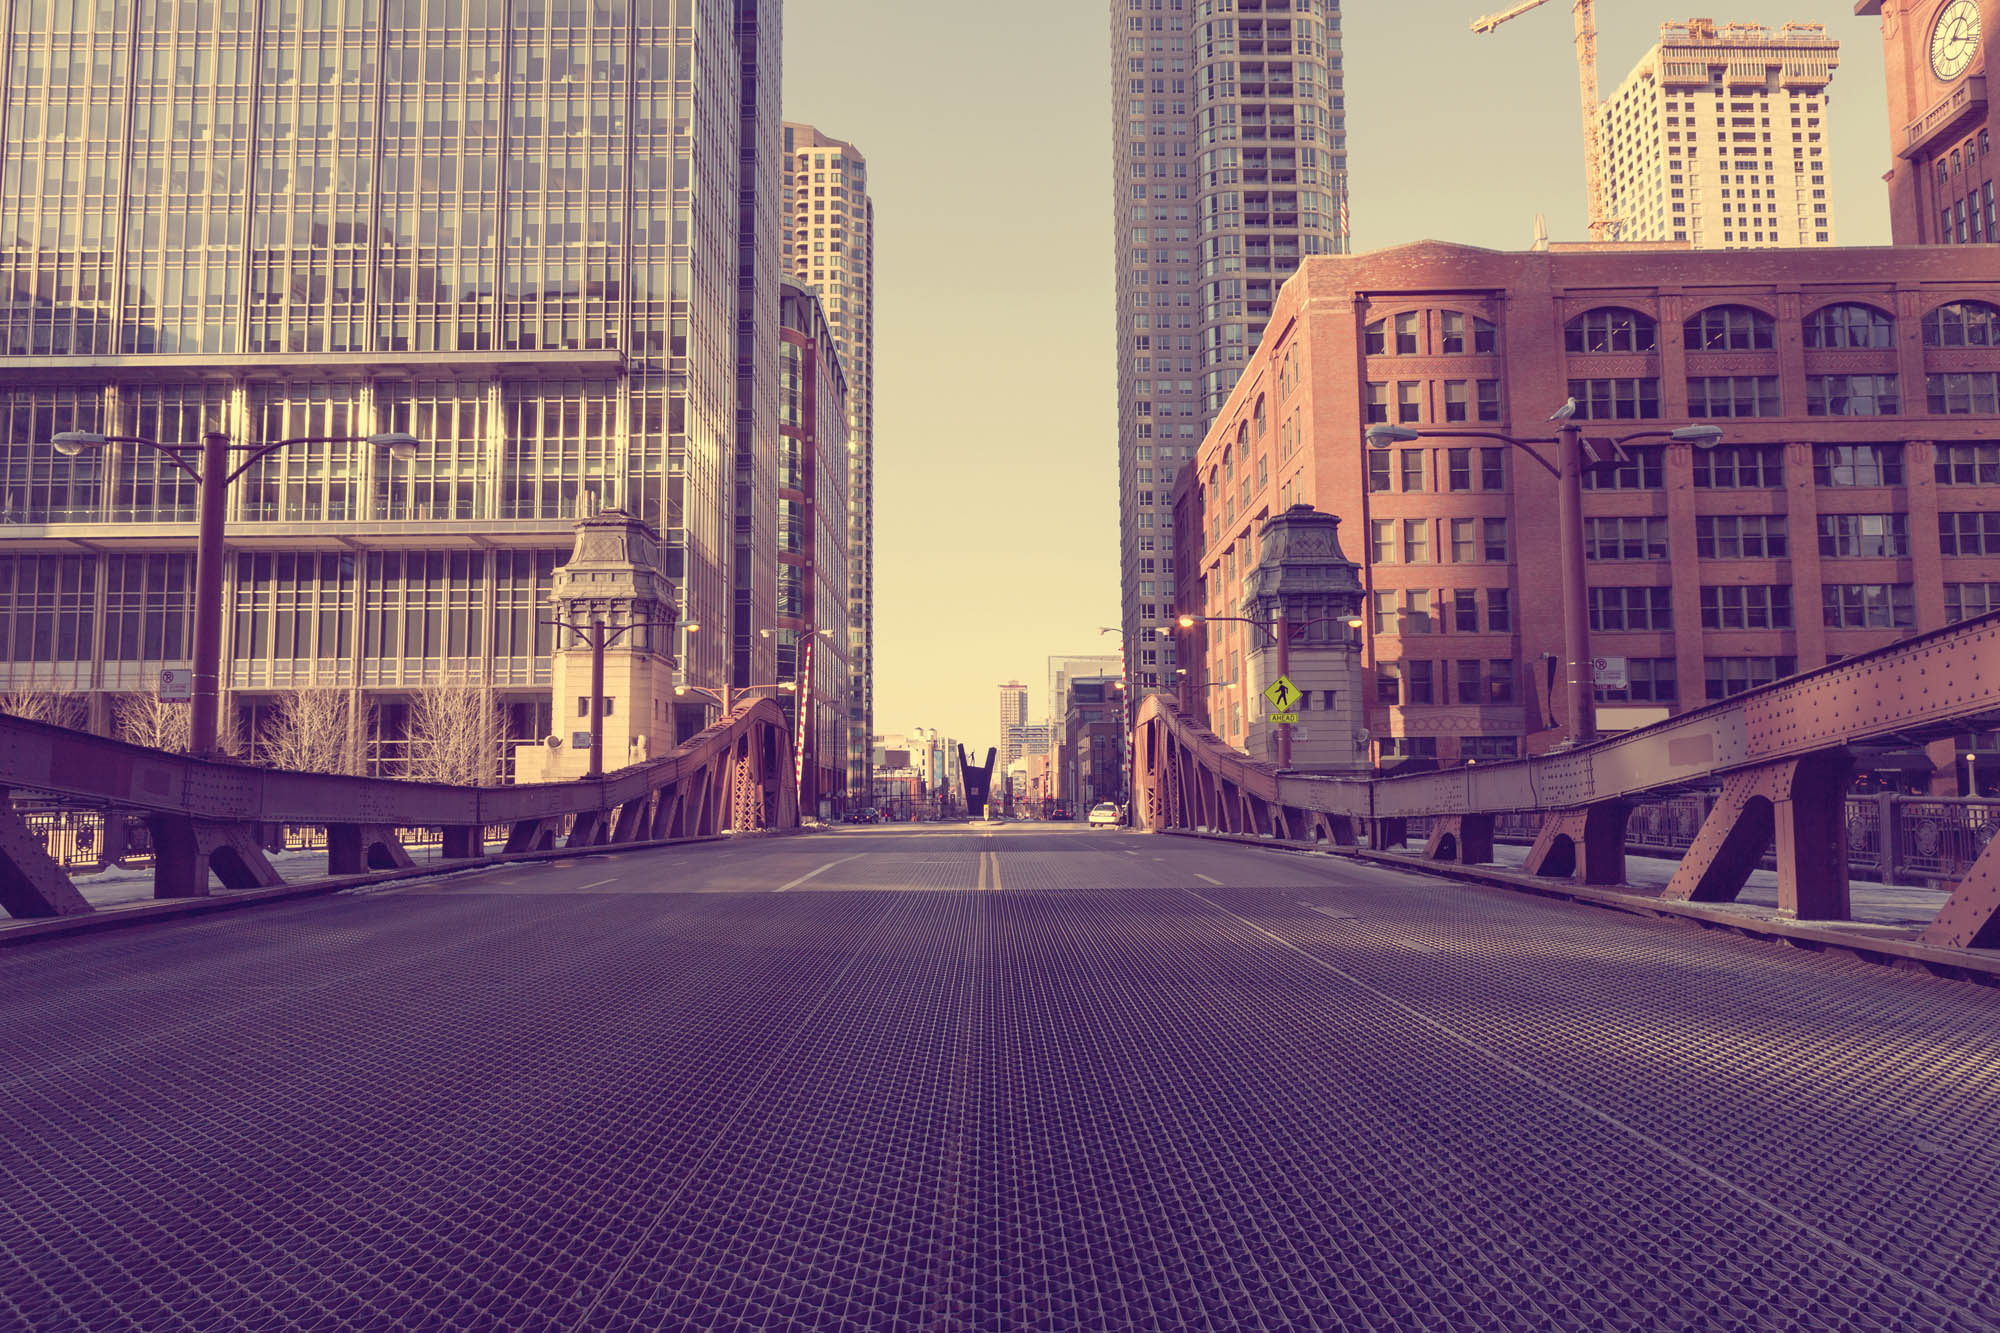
76 839
1932 840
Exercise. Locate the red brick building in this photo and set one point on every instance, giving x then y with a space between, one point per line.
1941 121
1855 498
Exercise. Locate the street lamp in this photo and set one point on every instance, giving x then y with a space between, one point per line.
208 463
1572 452
1281 631
600 636
730 693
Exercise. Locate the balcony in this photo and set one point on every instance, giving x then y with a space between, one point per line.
1958 108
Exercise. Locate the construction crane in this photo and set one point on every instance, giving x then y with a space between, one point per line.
1602 226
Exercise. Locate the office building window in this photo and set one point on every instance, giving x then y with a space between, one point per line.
1849 325
1642 470
1489 400
1411 465
1420 683
1494 533
1963 324
1616 399
1739 467
1457 400
1378 402
1467 678
1489 747
1625 539
1867 606
1631 608
1378 470
1968 465
1417 541
1417 611
1971 393
1857 465
1409 401
1865 534
1740 536
1609 330
1968 534
1852 396
1465 610
1730 328
1382 541
1729 676
1500 682
1963 601
1733 396
1464 544
1735 606
1499 609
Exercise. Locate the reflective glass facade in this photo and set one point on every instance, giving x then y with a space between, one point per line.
509 227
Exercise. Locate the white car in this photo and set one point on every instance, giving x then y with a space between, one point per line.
1105 813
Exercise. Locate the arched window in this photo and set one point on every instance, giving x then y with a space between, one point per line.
1375 338
1242 439
1610 329
1452 334
1849 325
1963 324
1730 328
1257 415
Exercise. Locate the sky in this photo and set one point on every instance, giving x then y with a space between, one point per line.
987 130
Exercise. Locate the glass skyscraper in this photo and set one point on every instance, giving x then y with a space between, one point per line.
1230 166
524 231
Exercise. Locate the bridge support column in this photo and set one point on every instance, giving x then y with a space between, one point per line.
1971 919
1586 844
1799 803
31 883
356 849
1386 833
186 850
1335 830
633 818
1466 839
463 841
533 835
590 828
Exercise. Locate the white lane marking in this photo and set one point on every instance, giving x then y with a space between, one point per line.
1216 882
597 884
812 874
996 871
981 882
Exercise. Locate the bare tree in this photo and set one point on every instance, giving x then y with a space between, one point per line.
59 707
311 731
149 720
454 736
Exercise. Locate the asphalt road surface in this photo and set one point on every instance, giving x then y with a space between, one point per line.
1030 1078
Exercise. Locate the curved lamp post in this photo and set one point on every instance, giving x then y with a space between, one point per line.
600 636
209 463
1573 454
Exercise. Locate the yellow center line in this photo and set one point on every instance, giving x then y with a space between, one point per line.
982 872
996 870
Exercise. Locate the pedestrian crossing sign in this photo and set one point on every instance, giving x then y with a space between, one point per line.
1284 695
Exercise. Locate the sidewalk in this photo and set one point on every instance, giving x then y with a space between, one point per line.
1873 904
133 884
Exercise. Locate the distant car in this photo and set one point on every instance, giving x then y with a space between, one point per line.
1104 813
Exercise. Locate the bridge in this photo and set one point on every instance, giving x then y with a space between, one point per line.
1001 1076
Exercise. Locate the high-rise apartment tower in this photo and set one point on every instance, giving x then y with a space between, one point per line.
828 241
1718 137
1230 166
510 230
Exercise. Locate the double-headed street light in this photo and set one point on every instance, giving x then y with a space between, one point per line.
209 464
729 694
600 636
1281 631
1573 454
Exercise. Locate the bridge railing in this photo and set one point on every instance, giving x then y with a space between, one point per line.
1777 757
206 818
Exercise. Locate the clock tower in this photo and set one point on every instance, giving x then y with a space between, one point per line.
1941 124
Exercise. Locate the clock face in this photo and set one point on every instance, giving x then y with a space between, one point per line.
1954 38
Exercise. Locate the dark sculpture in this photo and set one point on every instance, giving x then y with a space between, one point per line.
978 781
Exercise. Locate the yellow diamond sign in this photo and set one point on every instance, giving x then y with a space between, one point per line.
1284 695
